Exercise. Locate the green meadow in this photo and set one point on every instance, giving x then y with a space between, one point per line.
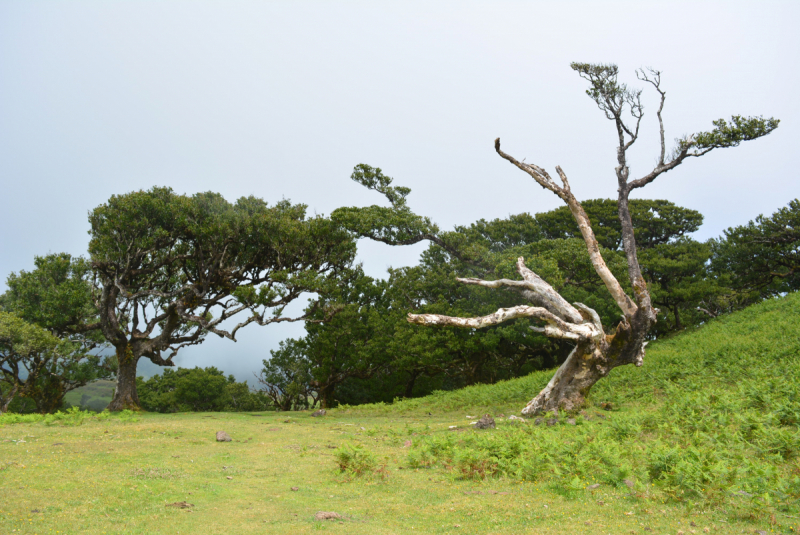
702 439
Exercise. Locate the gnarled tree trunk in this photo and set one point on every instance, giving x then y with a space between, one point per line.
595 353
125 396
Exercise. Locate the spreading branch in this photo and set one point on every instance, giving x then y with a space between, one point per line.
543 179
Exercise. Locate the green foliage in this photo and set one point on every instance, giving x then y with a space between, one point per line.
351 344
396 225
73 416
27 352
57 297
286 377
680 281
732 134
655 222
197 389
609 95
374 179
175 267
357 461
764 254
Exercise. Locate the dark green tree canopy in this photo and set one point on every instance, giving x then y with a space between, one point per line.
197 389
764 254
174 268
25 351
56 296
654 222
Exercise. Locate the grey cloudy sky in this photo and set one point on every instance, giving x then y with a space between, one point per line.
282 99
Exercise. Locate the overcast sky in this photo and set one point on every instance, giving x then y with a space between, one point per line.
282 99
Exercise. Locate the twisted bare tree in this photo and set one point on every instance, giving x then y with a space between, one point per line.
596 351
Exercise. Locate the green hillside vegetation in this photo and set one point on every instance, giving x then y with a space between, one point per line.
94 397
712 415
703 437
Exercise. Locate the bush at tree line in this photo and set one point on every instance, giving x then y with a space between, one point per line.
198 389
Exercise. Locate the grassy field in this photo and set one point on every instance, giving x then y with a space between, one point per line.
703 439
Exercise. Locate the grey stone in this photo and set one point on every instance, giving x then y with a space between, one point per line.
222 436
487 422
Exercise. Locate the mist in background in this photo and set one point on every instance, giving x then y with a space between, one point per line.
283 99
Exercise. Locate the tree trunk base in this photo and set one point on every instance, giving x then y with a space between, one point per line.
570 385
125 396
589 361
123 403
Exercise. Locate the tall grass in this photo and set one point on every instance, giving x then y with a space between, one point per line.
71 416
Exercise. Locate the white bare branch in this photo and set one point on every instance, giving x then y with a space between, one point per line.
555 328
535 290
612 284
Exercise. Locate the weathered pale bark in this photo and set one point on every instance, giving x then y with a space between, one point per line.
593 357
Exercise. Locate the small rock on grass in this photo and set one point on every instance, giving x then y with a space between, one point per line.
222 436
322 515
487 422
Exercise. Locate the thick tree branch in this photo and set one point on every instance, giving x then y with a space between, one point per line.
542 178
555 328
536 290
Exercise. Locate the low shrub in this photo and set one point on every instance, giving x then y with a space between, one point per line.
357 461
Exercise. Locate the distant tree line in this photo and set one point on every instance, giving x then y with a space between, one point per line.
166 270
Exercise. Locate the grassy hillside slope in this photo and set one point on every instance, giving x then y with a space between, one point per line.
740 353
712 417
